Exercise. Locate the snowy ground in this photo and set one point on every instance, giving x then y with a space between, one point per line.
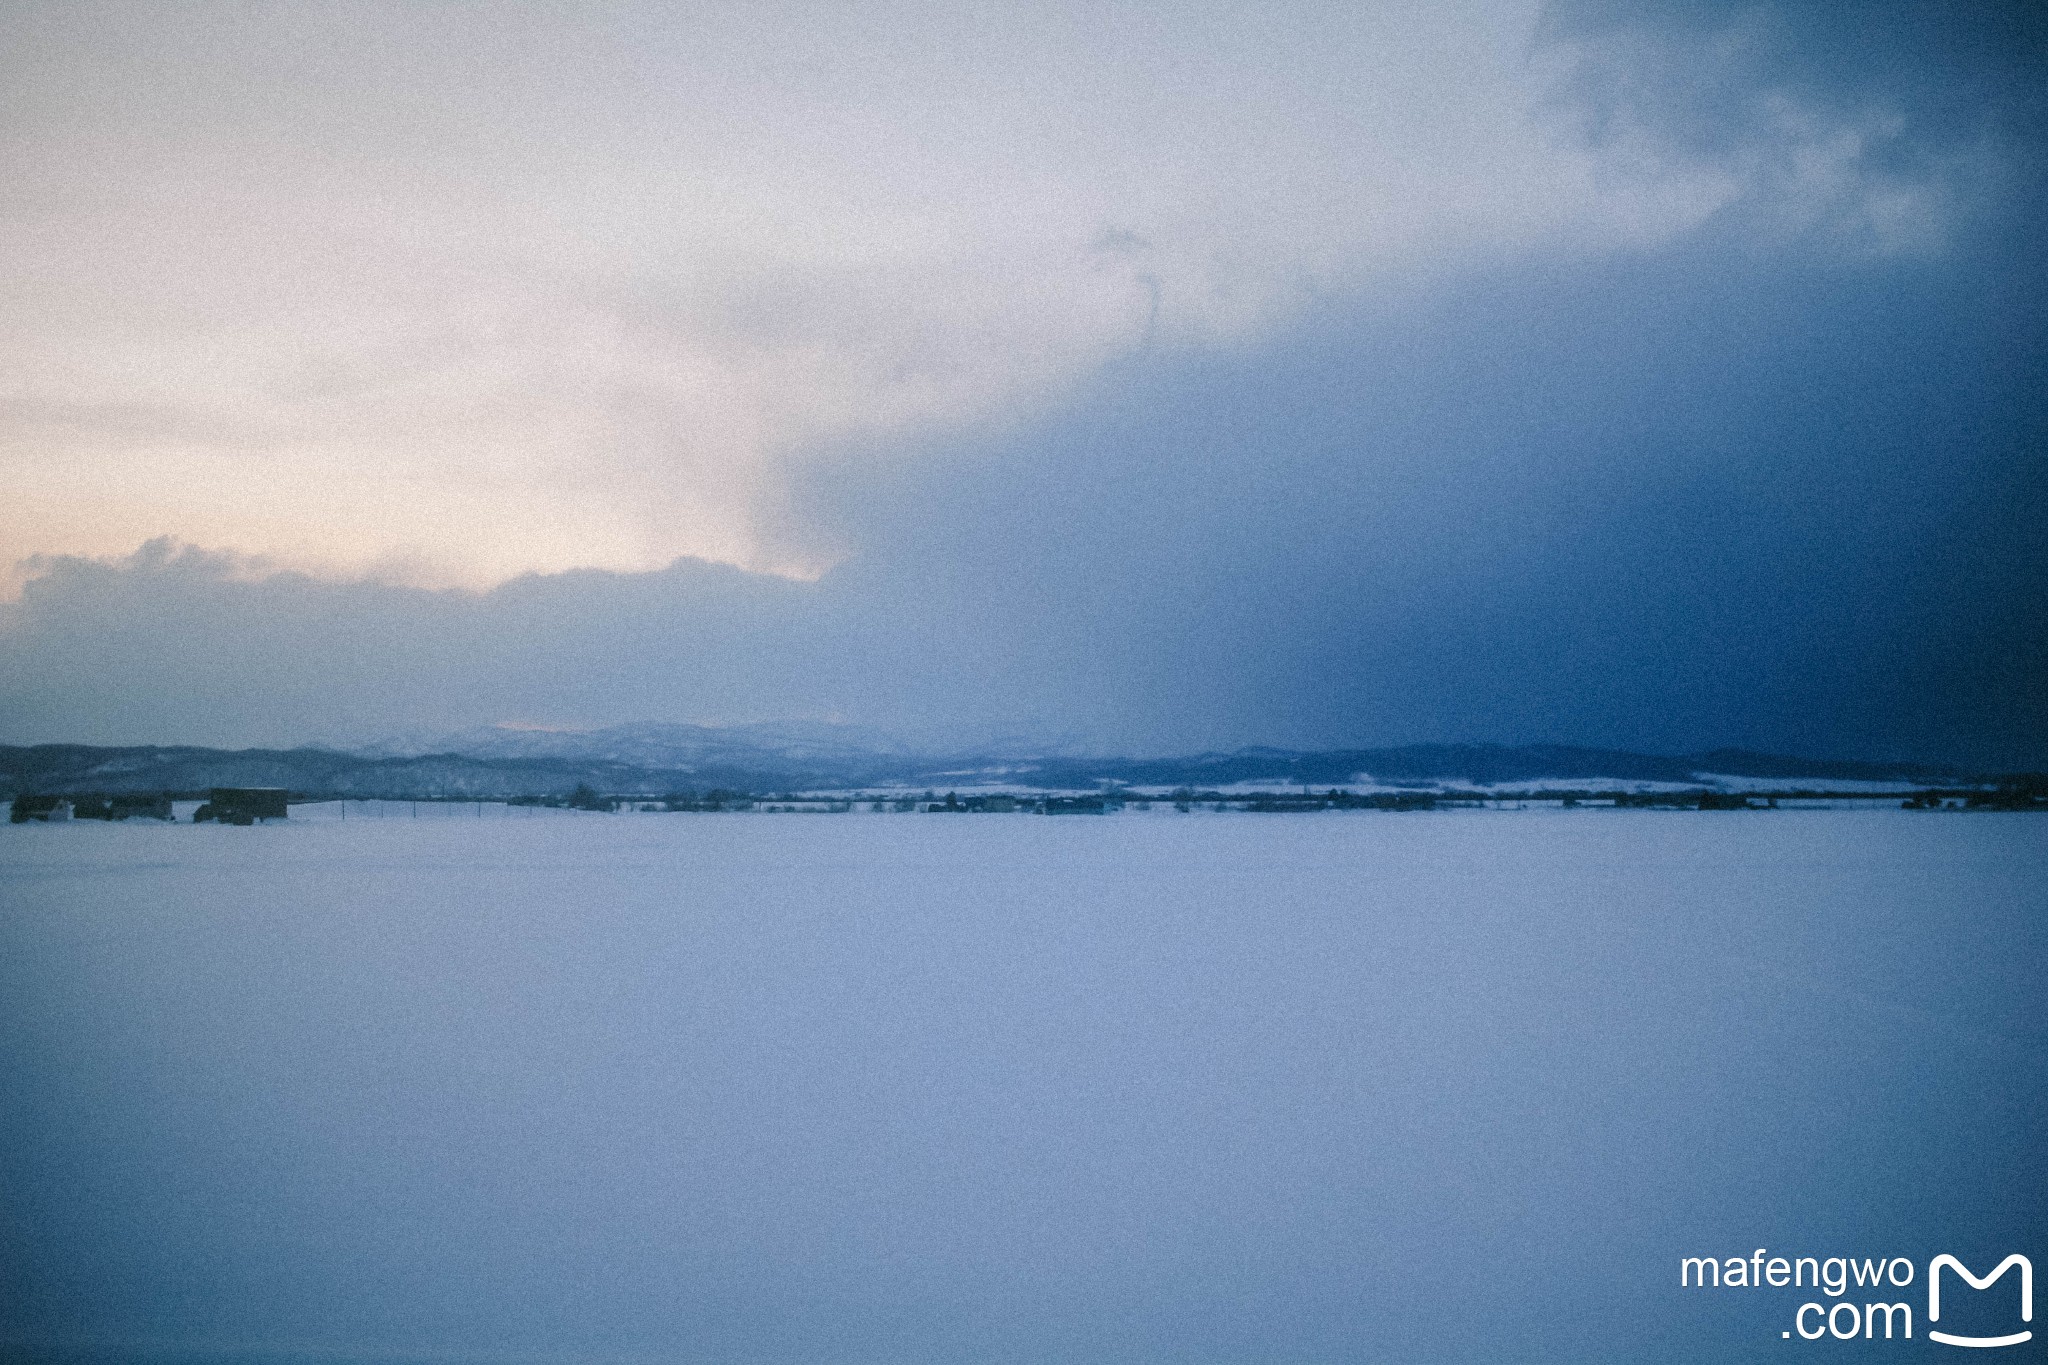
1454 1086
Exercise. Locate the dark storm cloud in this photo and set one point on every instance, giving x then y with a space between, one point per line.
1779 483
1911 89
1671 501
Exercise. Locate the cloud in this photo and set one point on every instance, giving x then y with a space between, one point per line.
209 647
1875 127
1446 430
553 287
1669 502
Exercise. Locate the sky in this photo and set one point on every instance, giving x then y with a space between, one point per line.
1139 377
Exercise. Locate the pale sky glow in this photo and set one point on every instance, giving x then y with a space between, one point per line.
475 292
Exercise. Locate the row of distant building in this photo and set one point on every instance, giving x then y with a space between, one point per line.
252 805
228 805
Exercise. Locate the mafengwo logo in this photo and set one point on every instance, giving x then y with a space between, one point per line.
1860 1297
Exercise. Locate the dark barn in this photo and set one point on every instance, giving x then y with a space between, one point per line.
243 805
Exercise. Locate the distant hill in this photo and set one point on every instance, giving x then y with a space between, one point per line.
766 746
659 759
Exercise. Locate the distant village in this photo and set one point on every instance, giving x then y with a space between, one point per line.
256 805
